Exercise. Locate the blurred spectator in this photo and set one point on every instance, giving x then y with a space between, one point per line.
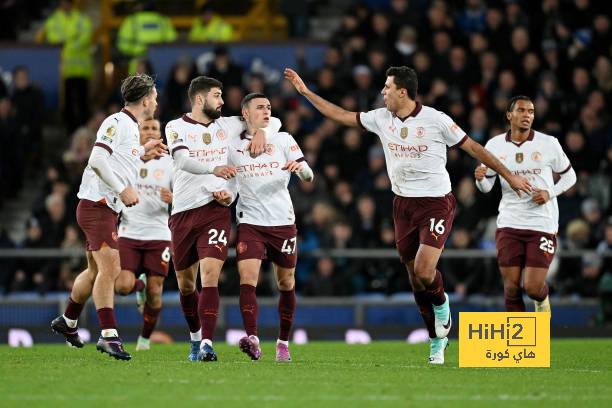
325 280
209 26
36 274
177 101
296 12
69 27
29 105
143 27
224 69
7 265
53 221
13 163
591 213
466 276
473 17
71 267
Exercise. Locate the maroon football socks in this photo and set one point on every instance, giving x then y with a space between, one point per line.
426 310
149 320
435 290
208 308
73 309
189 304
286 310
249 309
515 303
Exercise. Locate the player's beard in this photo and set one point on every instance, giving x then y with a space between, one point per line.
210 112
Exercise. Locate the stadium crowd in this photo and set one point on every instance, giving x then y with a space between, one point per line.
470 60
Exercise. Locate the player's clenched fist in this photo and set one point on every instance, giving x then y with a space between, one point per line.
166 195
225 172
540 196
129 197
223 197
292 166
480 172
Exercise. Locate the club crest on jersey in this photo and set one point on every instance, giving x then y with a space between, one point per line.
519 157
158 173
206 138
144 172
420 131
173 135
404 133
270 149
110 132
220 134
536 156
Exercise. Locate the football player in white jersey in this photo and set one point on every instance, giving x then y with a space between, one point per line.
526 226
107 187
144 236
415 139
266 220
200 223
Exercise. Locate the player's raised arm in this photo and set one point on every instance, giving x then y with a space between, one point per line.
327 108
478 152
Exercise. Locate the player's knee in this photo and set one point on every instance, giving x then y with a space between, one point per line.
424 273
122 289
533 290
286 284
512 290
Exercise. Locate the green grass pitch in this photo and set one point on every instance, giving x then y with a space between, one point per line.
322 374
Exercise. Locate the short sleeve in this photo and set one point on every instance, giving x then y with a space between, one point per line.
367 120
176 141
233 125
560 162
452 134
292 149
108 135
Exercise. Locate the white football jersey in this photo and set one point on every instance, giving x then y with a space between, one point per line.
206 143
263 197
120 137
148 220
535 159
415 148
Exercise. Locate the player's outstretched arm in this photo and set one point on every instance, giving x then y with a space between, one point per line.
478 152
325 107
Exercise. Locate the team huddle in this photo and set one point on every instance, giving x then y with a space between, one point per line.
143 203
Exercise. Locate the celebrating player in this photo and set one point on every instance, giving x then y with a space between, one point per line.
266 221
144 236
106 188
526 226
199 223
414 139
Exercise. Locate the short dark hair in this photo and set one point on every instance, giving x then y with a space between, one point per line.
514 99
405 77
137 86
202 84
250 97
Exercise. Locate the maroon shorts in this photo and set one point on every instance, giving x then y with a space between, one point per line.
517 247
200 233
153 255
99 223
422 220
275 243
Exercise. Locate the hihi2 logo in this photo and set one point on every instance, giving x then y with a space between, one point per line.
509 339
